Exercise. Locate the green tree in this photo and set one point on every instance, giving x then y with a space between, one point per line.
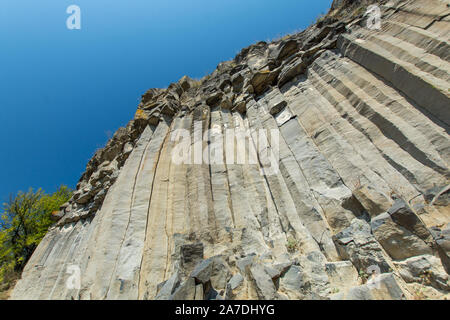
23 223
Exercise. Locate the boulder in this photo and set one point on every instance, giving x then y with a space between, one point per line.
154 117
425 269
240 104
57 215
167 288
273 101
283 49
191 254
185 83
315 276
235 286
442 240
64 206
357 244
272 272
358 293
235 281
374 201
220 273
174 91
245 262
210 293
261 80
226 103
186 291
224 82
214 270
440 196
442 237
169 109
237 81
202 271
341 274
402 214
398 242
85 195
214 98
263 283
307 279
293 279
382 287
290 71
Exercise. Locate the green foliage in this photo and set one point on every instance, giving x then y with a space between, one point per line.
292 244
335 290
23 223
419 293
320 17
364 276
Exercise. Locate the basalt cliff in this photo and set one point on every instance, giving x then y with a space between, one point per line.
357 119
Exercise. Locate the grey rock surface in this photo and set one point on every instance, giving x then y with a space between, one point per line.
350 184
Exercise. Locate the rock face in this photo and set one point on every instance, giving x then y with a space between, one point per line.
346 198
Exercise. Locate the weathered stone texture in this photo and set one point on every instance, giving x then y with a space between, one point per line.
362 184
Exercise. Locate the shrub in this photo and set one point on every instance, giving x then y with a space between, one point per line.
23 223
291 245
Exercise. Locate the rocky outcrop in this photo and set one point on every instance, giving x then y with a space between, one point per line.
346 196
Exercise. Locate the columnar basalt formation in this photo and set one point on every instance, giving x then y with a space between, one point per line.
362 185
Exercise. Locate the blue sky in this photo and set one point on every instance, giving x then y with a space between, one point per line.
63 92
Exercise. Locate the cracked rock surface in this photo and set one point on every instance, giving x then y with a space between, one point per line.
359 205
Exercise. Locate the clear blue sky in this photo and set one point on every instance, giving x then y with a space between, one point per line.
62 92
